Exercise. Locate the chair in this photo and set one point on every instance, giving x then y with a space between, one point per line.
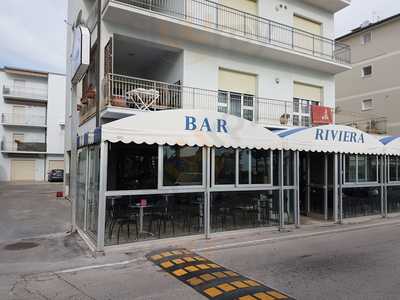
161 216
121 216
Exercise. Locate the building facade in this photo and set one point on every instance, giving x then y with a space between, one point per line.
269 62
367 95
32 124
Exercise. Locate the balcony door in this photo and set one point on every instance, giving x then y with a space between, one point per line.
18 115
304 96
236 93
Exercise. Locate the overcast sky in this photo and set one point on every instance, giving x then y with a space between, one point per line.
33 32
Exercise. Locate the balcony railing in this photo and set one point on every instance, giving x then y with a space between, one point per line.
373 125
16 146
23 119
131 93
31 93
235 22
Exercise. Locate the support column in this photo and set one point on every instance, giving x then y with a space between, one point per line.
340 188
335 188
382 183
308 184
101 224
326 186
386 180
207 199
281 205
73 172
297 191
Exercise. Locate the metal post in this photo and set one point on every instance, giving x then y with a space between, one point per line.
340 188
207 199
73 174
102 196
281 206
386 180
98 79
297 203
308 185
382 181
335 188
326 186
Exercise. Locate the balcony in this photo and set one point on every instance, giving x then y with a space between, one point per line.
25 120
17 147
331 6
373 125
126 96
220 26
23 93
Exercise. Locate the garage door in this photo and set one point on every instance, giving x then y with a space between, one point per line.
56 164
22 170
307 92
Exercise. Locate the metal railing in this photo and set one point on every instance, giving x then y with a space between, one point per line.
229 20
28 92
118 93
18 146
372 125
23 119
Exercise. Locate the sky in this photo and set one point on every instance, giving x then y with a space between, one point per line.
33 32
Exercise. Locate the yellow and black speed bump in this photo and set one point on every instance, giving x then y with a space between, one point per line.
210 279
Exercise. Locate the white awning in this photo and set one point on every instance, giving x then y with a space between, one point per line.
331 138
192 128
392 145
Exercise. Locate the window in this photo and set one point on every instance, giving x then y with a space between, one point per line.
225 166
366 38
255 167
366 104
302 112
366 71
361 168
182 166
240 105
394 168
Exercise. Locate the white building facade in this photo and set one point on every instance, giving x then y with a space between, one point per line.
32 124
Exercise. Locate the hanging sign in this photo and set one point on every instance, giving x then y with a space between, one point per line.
80 56
321 115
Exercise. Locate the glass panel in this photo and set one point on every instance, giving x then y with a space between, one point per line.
317 200
225 166
305 107
248 114
147 217
239 210
132 167
296 105
80 207
398 169
372 167
393 199
362 164
393 169
248 100
305 121
244 165
93 190
222 97
288 168
182 166
351 165
288 204
275 169
223 109
261 167
359 202
296 120
236 104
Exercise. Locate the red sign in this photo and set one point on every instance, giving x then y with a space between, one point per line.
143 202
321 115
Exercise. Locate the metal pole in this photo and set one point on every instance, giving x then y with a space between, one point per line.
281 206
98 63
102 195
335 188
308 184
326 186
382 181
386 180
207 206
340 188
297 188
73 174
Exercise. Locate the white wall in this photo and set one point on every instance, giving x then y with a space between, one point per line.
56 114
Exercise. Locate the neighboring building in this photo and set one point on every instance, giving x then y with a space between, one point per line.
32 124
368 95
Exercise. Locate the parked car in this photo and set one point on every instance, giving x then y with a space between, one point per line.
56 175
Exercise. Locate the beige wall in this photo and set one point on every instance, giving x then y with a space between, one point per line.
383 86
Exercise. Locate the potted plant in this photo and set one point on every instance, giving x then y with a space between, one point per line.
118 101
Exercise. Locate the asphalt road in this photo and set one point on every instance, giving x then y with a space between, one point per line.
362 264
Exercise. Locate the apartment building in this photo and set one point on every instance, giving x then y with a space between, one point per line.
368 95
32 124
270 62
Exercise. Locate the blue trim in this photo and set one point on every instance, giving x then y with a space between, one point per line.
97 135
388 139
86 139
291 131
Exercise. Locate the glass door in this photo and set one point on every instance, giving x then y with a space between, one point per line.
92 197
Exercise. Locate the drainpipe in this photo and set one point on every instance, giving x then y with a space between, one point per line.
98 63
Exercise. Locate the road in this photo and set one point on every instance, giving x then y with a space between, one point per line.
361 264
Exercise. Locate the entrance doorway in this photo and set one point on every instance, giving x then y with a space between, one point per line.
316 187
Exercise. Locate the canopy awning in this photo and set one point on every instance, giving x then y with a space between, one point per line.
392 145
331 138
192 128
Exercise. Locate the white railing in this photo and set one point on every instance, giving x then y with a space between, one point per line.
118 93
23 119
373 125
25 146
225 19
28 92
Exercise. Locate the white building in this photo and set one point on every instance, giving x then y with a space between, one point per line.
32 123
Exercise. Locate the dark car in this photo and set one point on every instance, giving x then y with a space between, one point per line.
56 175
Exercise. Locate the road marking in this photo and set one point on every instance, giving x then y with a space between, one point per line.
86 268
210 279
